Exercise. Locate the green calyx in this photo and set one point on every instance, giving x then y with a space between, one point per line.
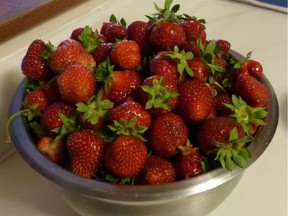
236 63
113 19
128 128
94 108
234 152
245 114
46 54
158 95
208 55
89 39
69 125
105 73
181 58
168 13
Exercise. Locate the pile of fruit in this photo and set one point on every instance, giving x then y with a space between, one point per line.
151 102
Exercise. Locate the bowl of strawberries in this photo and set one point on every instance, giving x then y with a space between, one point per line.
142 119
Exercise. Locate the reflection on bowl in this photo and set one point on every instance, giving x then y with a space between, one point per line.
196 196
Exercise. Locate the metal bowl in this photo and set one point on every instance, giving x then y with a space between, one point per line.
196 196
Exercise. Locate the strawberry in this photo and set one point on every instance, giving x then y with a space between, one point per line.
195 101
54 149
85 150
52 89
37 98
102 52
224 45
34 64
76 84
166 133
127 110
166 35
118 85
125 156
126 55
138 31
157 171
219 103
51 119
199 68
223 139
116 31
163 65
251 91
255 68
158 95
70 52
76 33
189 162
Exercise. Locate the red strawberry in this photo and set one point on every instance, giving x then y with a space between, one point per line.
70 52
34 65
76 84
85 150
163 65
127 110
102 52
52 89
223 139
189 162
158 95
76 33
55 150
125 156
166 133
219 102
166 35
252 91
199 68
255 68
37 98
138 31
224 45
157 171
123 84
195 101
51 119
126 55
116 31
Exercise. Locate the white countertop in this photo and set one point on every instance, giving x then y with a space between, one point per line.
263 189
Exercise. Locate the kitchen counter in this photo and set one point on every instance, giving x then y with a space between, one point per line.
263 189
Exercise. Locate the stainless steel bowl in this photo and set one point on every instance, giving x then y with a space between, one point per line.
195 196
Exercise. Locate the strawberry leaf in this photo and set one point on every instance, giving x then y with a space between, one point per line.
89 39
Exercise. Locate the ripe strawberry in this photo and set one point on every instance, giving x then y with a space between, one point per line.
163 65
52 89
195 101
54 149
158 95
76 33
255 68
252 91
85 150
129 109
37 98
166 35
189 162
223 139
76 84
125 156
126 55
166 133
118 85
51 119
138 31
199 68
34 65
224 45
219 102
102 52
116 31
157 171
70 52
